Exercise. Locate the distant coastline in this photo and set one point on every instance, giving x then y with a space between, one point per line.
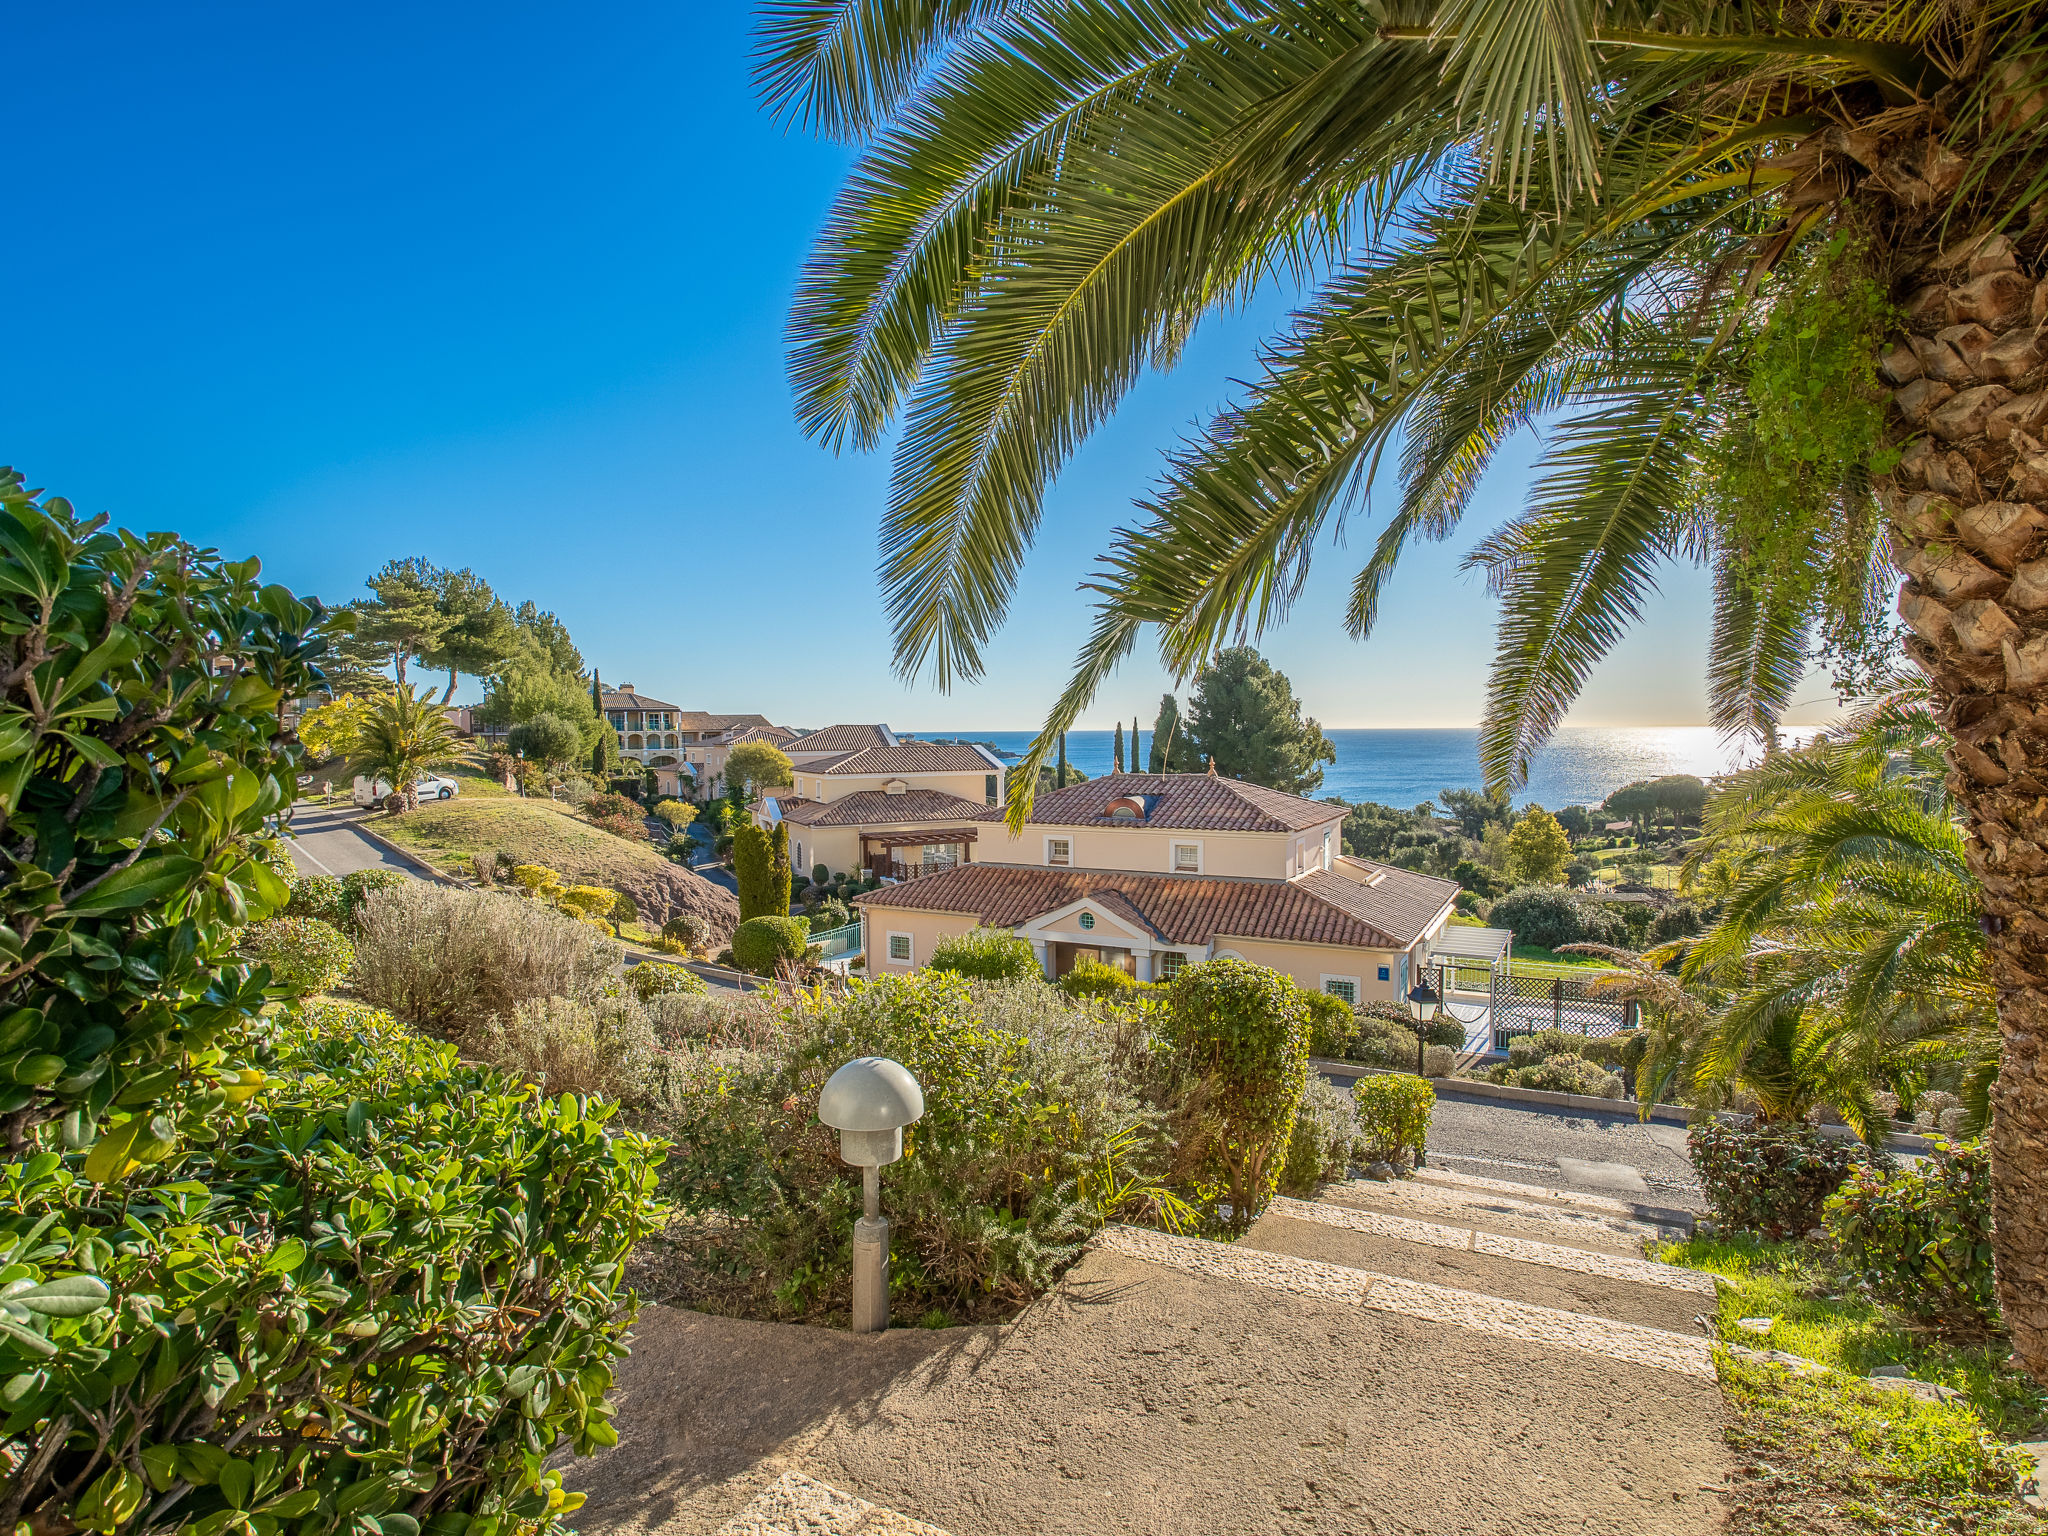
1581 766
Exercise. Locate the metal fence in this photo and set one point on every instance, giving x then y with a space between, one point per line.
835 942
1522 1005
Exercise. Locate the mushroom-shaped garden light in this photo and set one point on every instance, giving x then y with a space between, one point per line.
868 1102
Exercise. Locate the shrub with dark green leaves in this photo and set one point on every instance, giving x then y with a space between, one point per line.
318 896
1242 1030
832 913
1394 1109
760 944
380 1299
1381 1042
303 953
986 954
1769 1178
1091 978
359 885
1332 1026
1550 915
141 753
651 978
1919 1239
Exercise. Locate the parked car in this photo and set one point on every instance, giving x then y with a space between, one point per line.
428 786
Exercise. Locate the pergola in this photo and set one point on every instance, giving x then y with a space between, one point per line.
1457 954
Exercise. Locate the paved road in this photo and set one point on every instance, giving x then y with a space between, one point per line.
1593 1152
325 842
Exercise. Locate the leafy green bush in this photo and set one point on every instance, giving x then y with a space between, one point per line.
1332 1026
832 913
303 953
1444 1030
1919 1239
1091 978
1563 1072
651 979
1243 1030
1381 1042
686 929
1769 1178
1550 915
1326 1139
140 756
1030 1139
318 896
986 954
760 944
820 875
263 1339
607 804
1393 1116
358 886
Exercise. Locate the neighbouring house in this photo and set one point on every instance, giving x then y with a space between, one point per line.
685 748
891 806
1151 872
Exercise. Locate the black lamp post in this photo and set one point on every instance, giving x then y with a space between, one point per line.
1422 1001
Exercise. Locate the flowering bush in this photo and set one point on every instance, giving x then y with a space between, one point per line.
1919 1239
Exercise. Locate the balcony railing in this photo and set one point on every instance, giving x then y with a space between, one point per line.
900 869
836 942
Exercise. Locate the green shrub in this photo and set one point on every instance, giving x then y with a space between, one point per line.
303 953
1091 978
1550 915
986 954
359 885
1381 1042
687 929
650 978
1243 1031
283 1273
832 913
1393 1116
760 944
1563 1072
318 896
1919 1240
1444 1030
1030 1140
820 875
1770 1178
141 756
1332 1026
1326 1139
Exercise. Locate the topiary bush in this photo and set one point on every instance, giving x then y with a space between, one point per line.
277 1275
304 954
820 875
1332 1025
832 913
1242 1030
1091 978
1919 1240
760 944
986 954
687 930
1769 1178
1394 1110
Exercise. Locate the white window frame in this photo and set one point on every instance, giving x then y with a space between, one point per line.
1173 847
909 956
1349 981
1065 863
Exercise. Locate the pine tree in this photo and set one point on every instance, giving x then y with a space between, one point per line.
1245 719
1173 751
1116 762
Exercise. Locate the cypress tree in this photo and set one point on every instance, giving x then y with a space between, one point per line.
776 891
1116 762
750 862
1061 781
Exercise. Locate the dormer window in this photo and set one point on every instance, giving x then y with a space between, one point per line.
1127 808
896 787
1122 813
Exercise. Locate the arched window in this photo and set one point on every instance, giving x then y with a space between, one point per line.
632 743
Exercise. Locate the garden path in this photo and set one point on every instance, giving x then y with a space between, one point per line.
1442 1356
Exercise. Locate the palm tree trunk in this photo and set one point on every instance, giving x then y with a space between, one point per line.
1967 504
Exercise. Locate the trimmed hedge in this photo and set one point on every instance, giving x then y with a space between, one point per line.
762 943
1091 978
651 979
1394 1110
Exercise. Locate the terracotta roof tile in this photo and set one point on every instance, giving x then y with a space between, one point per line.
1180 802
877 808
846 738
1319 908
907 757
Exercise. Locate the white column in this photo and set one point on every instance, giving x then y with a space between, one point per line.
1044 952
1142 960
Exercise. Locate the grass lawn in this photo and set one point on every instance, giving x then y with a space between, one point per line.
1535 960
1826 1453
450 833
1663 877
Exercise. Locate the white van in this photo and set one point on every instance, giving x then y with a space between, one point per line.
428 786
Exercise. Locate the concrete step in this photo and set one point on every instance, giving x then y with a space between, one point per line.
1670 1218
1514 1268
1533 1220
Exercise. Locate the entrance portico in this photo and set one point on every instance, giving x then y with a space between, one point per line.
1095 929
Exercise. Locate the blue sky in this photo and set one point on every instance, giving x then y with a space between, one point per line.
504 286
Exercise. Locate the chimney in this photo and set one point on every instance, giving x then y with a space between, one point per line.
625 687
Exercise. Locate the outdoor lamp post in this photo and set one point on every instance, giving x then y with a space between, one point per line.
868 1102
1422 1001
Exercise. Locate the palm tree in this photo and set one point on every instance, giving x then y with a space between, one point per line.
1769 267
403 736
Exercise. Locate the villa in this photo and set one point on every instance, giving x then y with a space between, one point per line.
1151 872
677 743
887 805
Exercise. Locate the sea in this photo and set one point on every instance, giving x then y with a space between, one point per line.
1581 765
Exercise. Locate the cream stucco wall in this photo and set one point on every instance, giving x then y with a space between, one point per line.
829 787
1309 964
925 930
1144 850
